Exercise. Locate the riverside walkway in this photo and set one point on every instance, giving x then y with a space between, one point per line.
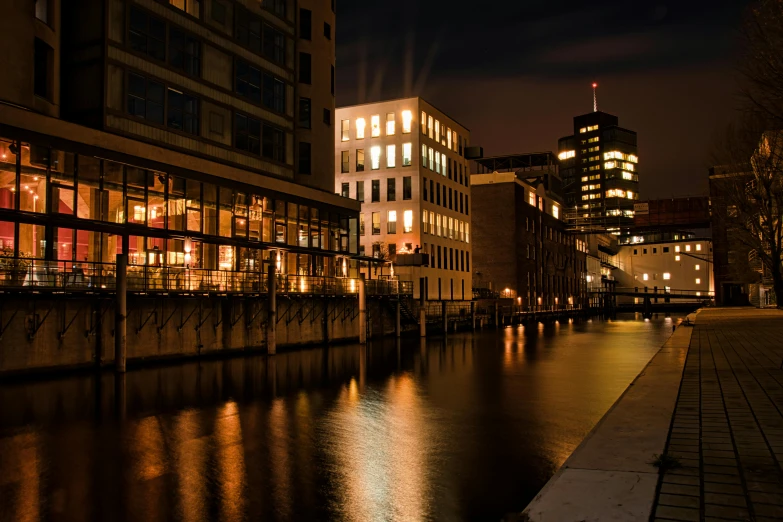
711 402
727 430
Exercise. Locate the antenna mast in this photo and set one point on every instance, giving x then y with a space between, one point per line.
595 98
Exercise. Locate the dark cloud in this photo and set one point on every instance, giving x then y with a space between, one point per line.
516 72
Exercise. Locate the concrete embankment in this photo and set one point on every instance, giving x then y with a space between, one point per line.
46 332
610 475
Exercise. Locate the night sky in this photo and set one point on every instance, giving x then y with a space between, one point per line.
516 72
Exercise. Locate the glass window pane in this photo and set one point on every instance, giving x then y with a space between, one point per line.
112 186
210 209
32 180
31 241
63 244
156 204
6 241
88 204
7 174
225 212
193 204
136 251
176 203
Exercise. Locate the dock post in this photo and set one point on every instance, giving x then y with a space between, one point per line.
397 325
121 314
422 307
362 310
473 315
444 317
271 324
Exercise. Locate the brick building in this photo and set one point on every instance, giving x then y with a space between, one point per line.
521 247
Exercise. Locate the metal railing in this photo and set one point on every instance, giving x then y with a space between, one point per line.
68 276
655 292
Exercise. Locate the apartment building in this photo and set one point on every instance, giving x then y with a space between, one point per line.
181 132
404 161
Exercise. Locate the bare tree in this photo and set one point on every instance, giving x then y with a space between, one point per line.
761 64
750 200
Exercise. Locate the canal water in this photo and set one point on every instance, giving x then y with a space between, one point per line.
469 429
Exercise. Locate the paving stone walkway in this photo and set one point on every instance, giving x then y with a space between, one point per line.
727 430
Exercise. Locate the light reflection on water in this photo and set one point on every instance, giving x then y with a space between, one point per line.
471 428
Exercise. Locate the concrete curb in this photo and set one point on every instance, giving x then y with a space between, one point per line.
610 475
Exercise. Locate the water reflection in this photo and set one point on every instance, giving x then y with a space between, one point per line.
467 428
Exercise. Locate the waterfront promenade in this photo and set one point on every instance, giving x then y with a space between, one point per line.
727 430
711 402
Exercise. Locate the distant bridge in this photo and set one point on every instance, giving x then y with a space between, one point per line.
651 301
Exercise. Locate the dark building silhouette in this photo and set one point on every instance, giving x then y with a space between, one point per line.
599 169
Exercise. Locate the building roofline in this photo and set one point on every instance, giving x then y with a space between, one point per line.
406 98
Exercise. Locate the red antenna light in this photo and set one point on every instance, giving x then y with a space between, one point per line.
595 85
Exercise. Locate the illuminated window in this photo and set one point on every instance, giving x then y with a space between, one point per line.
629 195
532 199
698 248
443 167
628 166
424 222
698 293
677 257
345 125
376 223
677 248
430 156
566 154
627 175
437 130
438 228
375 157
454 140
391 222
391 156
556 211
467 232
375 126
360 124
430 121
432 223
448 138
437 162
698 267
698 281
593 140
407 154
667 275
390 124
687 248
407 121
610 164
407 221
423 122
645 277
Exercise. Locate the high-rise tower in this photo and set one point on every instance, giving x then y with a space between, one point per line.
599 166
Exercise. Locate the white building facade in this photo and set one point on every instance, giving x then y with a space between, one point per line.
667 266
404 160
